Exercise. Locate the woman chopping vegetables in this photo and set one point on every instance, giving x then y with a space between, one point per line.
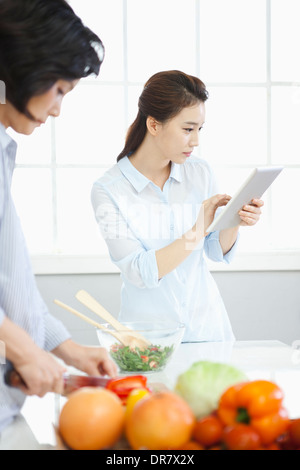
153 208
44 50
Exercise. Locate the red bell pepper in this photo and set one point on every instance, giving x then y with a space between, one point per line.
122 386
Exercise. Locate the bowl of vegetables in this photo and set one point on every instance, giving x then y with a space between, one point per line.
162 340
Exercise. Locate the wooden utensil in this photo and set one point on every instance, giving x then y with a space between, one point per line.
132 337
125 339
90 321
88 301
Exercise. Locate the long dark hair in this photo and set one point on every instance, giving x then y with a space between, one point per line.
164 95
41 42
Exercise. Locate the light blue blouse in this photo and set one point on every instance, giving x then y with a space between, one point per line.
20 299
136 218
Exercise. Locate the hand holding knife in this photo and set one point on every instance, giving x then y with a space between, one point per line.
121 386
71 382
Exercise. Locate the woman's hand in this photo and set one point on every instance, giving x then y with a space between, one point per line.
250 213
41 373
91 360
95 361
208 210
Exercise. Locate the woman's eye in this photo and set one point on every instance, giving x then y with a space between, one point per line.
189 130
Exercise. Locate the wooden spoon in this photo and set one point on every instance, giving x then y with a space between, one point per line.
132 338
91 322
88 301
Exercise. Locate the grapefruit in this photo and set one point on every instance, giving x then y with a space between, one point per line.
91 419
162 420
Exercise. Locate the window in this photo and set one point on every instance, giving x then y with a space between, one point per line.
246 51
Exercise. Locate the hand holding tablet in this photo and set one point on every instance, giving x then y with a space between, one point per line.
253 188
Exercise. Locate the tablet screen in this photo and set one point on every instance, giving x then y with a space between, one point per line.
253 188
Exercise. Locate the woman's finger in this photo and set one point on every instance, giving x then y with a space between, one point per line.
257 202
252 215
248 220
252 209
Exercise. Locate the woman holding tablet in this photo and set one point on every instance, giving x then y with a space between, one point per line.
153 208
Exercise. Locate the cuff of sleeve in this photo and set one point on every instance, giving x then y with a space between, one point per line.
148 269
214 250
231 253
55 333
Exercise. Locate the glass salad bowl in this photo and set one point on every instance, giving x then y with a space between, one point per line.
162 339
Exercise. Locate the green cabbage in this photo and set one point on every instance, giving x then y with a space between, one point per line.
202 385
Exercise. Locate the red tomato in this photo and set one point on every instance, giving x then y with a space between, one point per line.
208 431
192 445
241 437
273 446
294 432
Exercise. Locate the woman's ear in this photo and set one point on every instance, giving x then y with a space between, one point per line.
153 125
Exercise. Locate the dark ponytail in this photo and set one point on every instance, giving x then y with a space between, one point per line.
165 94
135 136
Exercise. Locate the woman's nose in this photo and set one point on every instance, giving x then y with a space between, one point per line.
194 142
55 110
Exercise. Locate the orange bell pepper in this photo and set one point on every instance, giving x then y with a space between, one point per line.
257 403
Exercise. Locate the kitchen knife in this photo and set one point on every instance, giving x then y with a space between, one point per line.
74 382
71 382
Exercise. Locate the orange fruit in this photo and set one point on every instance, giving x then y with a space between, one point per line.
160 421
91 419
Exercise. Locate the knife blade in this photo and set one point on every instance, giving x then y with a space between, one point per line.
74 382
71 382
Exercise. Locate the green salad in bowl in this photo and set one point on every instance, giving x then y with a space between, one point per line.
143 360
163 339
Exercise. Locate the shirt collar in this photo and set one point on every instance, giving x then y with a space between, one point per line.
176 172
138 180
6 140
9 148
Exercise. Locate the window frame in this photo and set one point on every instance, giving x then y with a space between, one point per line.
273 260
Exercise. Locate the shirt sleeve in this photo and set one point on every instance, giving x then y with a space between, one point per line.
55 332
1 186
2 314
137 263
214 250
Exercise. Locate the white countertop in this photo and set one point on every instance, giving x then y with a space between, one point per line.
270 360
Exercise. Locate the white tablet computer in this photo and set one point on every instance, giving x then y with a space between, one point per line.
253 188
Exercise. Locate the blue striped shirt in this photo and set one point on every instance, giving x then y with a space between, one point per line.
20 299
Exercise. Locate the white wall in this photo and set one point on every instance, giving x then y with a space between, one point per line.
261 305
